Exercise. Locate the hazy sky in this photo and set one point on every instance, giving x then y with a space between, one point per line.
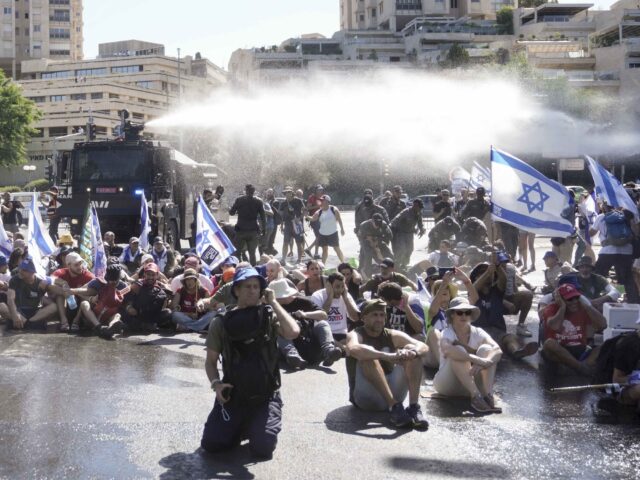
213 27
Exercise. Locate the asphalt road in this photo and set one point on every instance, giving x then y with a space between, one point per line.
76 407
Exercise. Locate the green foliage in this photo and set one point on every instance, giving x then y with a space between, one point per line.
17 115
504 18
457 56
39 185
10 189
530 3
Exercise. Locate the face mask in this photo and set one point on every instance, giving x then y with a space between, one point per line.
367 201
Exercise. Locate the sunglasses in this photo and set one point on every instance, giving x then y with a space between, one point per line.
460 313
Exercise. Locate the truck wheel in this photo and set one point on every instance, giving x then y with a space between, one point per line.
173 235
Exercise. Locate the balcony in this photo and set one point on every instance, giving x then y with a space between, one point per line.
408 6
60 18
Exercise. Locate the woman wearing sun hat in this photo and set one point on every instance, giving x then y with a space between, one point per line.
468 358
185 310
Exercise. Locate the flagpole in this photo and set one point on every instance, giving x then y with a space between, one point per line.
491 225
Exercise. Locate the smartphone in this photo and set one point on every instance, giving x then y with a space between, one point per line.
443 270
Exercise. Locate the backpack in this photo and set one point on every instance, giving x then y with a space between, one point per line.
250 354
606 359
618 230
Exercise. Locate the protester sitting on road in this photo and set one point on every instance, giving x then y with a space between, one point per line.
105 299
445 229
275 270
626 367
315 343
192 262
5 277
404 310
516 300
75 275
552 272
247 399
224 274
186 314
145 260
468 358
146 302
384 365
163 256
315 279
593 286
566 323
111 249
490 283
335 300
443 258
24 308
131 256
15 259
224 295
352 280
387 274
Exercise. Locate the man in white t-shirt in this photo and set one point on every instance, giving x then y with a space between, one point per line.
618 257
443 258
339 305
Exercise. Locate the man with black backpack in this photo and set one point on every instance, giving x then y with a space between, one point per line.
248 403
616 238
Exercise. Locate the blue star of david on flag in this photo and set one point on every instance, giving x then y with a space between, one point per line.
526 197
212 245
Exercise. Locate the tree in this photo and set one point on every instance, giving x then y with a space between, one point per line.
457 56
17 115
504 18
531 3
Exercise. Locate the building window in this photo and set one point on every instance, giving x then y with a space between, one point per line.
59 33
373 13
78 96
127 69
57 98
91 72
57 131
38 99
145 84
96 95
114 95
59 52
59 2
36 28
454 3
7 10
362 18
60 16
62 74
38 133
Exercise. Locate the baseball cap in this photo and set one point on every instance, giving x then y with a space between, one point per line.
326 197
72 257
192 262
158 240
151 267
134 240
568 291
502 257
231 261
387 262
372 305
550 254
27 265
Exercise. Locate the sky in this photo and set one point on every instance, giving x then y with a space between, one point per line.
212 27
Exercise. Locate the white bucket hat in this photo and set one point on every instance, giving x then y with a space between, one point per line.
282 289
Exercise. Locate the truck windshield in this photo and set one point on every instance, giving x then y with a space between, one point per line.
111 165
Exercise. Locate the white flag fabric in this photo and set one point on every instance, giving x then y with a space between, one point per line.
6 247
212 244
525 198
145 221
38 239
480 177
609 188
460 179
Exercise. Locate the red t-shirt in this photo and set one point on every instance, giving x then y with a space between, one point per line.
313 204
74 281
574 326
188 300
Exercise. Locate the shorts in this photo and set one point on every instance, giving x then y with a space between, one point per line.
28 313
332 240
579 352
289 234
366 396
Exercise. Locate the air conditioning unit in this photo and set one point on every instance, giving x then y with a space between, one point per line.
614 332
621 315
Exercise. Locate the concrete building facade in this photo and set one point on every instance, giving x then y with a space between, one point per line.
33 29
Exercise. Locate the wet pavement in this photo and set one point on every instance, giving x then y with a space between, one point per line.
82 407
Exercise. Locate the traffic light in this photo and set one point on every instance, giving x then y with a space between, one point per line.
91 130
48 170
386 169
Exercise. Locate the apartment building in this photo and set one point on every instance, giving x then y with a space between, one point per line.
33 29
130 75
394 15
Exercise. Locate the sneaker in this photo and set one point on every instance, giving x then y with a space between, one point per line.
116 326
331 355
523 331
479 405
296 361
104 332
491 401
399 416
419 422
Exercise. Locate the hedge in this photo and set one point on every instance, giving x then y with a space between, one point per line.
40 185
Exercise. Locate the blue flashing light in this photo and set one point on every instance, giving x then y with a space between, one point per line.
139 191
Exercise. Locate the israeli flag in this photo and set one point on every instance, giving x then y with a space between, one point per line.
6 247
212 245
480 177
525 198
145 221
609 188
423 293
97 247
38 239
